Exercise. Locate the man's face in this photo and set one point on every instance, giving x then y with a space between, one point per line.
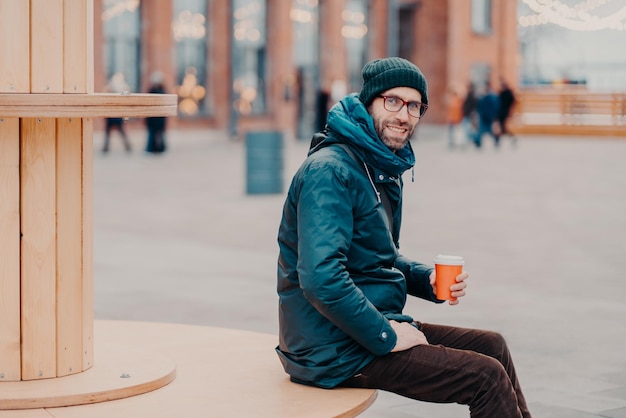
395 128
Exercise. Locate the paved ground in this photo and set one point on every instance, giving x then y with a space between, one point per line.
542 227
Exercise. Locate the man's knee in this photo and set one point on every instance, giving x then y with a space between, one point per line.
495 339
494 369
495 345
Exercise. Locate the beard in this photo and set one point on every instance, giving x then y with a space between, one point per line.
395 135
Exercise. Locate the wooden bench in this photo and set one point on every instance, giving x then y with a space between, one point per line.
219 373
569 111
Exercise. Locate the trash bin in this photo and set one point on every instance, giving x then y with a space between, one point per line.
264 162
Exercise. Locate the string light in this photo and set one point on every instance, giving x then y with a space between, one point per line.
577 17
114 8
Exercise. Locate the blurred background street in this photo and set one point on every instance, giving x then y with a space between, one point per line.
541 226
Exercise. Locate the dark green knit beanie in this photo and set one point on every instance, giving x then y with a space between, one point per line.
383 74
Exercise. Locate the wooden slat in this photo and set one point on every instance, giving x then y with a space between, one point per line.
87 239
9 250
15 42
87 105
78 48
38 270
69 322
46 46
90 46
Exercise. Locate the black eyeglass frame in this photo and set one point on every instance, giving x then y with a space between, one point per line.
423 106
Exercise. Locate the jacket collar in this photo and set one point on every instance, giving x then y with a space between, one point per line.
349 122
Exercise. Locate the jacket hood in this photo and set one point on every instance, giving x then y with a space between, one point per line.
349 122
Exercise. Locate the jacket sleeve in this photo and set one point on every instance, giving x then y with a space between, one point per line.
417 278
325 225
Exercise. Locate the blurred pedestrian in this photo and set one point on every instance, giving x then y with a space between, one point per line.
321 104
156 125
117 84
487 109
506 102
470 122
454 116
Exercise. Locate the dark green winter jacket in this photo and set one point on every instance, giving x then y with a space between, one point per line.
340 275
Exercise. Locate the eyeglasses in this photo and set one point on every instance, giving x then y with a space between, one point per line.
395 104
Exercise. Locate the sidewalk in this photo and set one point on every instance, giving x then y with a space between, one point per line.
542 227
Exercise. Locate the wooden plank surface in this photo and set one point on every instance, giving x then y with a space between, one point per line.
69 289
38 249
219 373
9 250
15 42
87 243
87 105
90 46
78 46
144 371
25 413
46 52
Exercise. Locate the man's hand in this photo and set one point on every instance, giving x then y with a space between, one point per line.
408 336
458 289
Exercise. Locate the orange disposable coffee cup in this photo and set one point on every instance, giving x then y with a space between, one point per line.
447 267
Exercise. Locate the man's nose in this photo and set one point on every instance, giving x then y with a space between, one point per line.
403 113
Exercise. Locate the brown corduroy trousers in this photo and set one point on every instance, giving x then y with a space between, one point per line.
465 366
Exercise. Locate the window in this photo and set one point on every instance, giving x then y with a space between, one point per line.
354 32
406 30
121 25
249 56
190 37
480 74
312 103
304 17
481 16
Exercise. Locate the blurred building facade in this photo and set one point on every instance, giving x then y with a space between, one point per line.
243 65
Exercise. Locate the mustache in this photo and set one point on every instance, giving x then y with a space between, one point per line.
394 122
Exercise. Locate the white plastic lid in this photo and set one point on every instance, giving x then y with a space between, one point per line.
451 260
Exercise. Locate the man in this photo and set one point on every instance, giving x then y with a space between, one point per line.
117 84
454 114
469 113
156 125
342 283
506 100
487 110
